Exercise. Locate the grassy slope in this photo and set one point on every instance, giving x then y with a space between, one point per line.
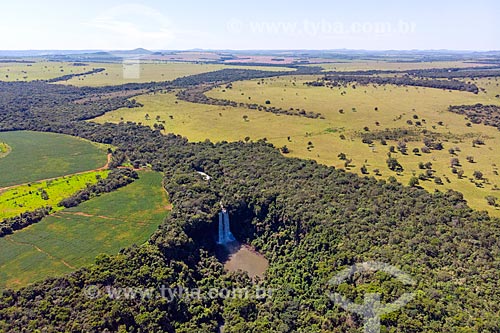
145 72
492 86
38 71
74 237
392 102
114 73
354 65
23 198
37 156
199 122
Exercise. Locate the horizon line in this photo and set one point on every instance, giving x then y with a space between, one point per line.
229 49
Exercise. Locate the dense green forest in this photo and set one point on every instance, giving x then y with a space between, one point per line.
311 221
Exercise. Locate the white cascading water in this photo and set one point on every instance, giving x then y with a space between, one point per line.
225 235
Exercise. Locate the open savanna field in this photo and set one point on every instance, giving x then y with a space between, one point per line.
73 237
491 86
139 72
364 65
36 156
22 198
376 107
40 70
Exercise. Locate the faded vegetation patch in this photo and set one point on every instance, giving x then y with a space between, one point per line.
4 149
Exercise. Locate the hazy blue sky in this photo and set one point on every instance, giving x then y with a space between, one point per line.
254 24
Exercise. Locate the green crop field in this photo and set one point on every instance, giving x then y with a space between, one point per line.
129 72
38 70
319 139
37 156
22 198
73 237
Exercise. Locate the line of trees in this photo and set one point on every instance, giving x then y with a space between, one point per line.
197 95
9 225
340 80
116 178
70 76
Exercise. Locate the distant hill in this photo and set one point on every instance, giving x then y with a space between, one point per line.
40 53
138 51
81 53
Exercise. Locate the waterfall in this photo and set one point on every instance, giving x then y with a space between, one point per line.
227 232
225 235
221 230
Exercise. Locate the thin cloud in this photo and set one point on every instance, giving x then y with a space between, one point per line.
133 25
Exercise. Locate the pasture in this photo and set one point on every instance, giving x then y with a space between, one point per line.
73 237
199 122
22 198
375 107
130 72
491 86
364 65
43 70
395 107
37 156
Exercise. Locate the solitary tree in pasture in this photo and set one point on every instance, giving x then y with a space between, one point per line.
394 165
413 181
478 175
